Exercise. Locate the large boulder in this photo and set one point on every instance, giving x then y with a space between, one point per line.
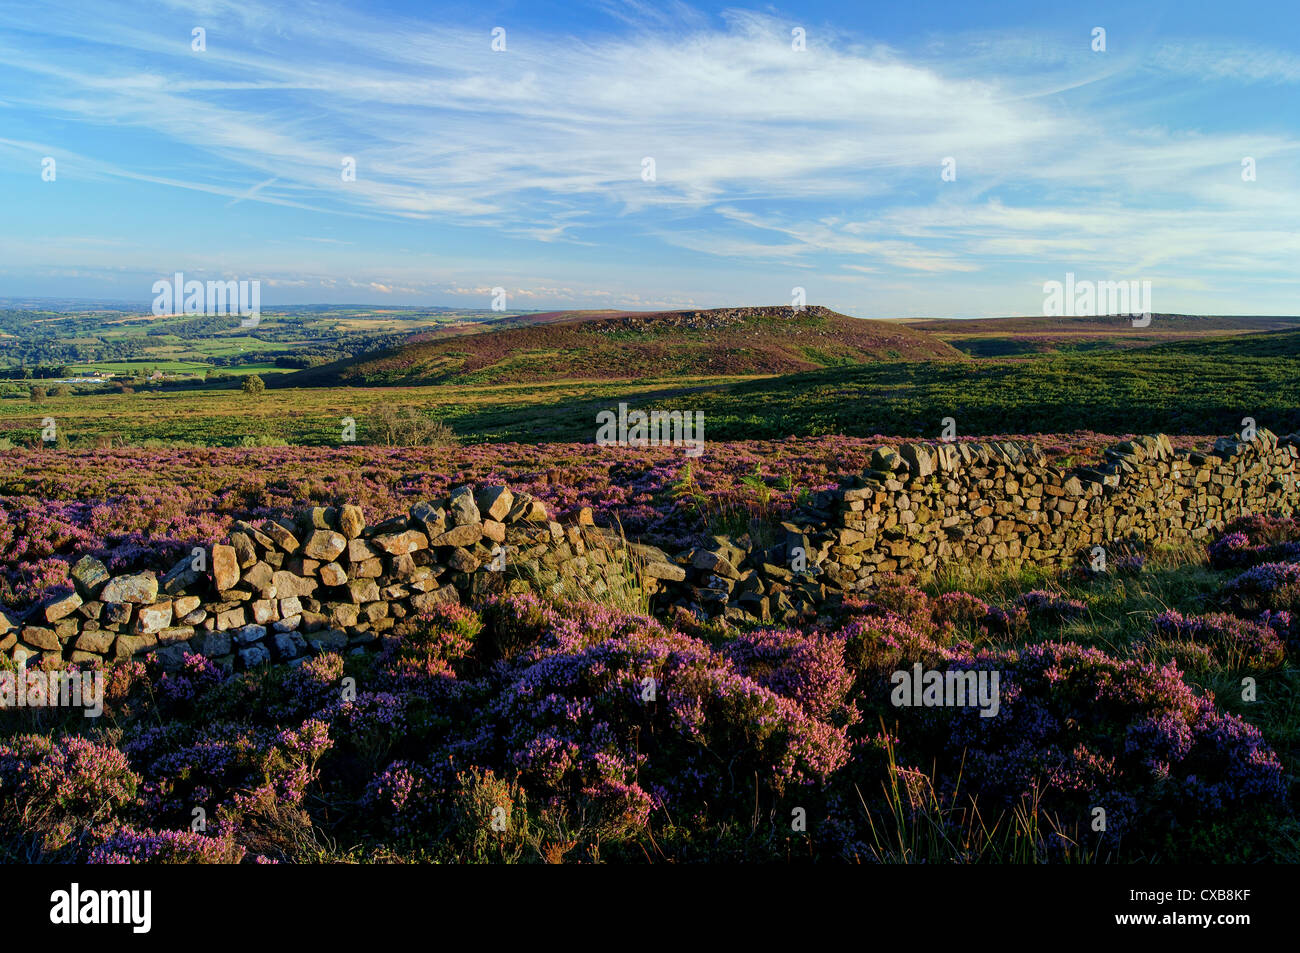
494 502
325 545
462 507
89 575
139 588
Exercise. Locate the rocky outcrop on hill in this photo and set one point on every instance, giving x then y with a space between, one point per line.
713 319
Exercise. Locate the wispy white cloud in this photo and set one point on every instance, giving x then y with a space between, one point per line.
826 159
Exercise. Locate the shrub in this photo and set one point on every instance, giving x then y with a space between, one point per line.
1050 606
1077 729
492 816
253 385
617 712
128 845
60 787
877 645
1265 586
1231 641
808 668
954 610
1238 550
408 427
180 689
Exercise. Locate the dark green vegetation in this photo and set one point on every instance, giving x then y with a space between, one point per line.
1006 337
754 373
1190 387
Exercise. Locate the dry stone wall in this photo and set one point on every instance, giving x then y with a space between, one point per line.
283 590
923 505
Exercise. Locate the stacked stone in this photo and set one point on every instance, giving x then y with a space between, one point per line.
923 505
747 584
285 589
325 581
919 506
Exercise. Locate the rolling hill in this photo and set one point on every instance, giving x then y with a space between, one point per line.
633 345
1006 337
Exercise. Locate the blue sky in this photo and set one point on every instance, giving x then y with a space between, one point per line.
774 168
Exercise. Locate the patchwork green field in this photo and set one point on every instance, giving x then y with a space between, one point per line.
126 341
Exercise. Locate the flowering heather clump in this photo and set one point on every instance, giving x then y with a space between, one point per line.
1237 550
1078 728
513 623
127 845
196 675
289 764
1266 529
875 646
184 767
1012 622
1050 607
447 631
402 796
1129 564
808 668
902 599
371 723
309 687
1231 550
1285 624
642 716
1266 586
954 610
1233 641
122 679
454 615
58 787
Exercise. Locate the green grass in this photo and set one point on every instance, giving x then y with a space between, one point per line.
224 415
1125 392
1188 388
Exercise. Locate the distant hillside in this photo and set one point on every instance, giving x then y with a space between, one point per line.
1262 344
631 345
1006 337
1185 387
